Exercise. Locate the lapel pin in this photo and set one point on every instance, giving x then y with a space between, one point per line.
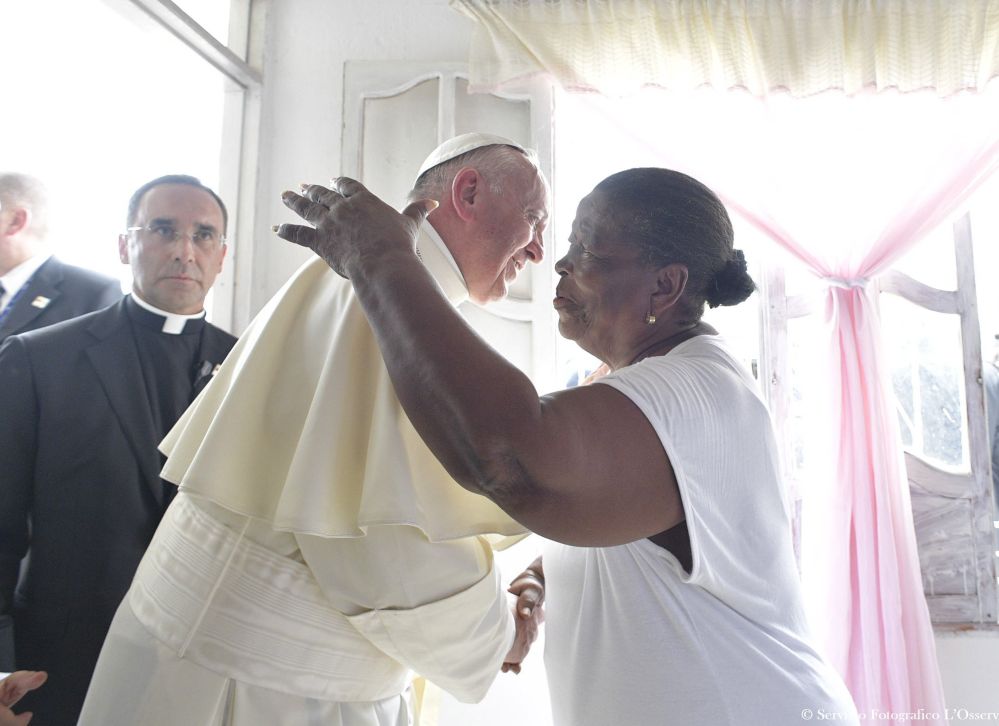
40 302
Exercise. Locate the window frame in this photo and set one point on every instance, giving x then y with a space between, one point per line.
974 610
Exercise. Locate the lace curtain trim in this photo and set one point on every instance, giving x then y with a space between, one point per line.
617 47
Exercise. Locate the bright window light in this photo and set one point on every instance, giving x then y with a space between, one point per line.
212 15
106 101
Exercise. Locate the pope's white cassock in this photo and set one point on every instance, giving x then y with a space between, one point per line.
317 553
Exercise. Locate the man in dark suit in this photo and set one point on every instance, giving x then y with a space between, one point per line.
83 405
36 289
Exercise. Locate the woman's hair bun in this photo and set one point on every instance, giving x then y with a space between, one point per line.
732 283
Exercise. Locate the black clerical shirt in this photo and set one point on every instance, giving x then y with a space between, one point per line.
170 368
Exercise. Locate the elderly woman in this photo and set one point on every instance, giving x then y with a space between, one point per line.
673 597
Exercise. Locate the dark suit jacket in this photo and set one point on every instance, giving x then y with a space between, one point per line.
71 291
78 459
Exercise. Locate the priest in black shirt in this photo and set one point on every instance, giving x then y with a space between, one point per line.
83 405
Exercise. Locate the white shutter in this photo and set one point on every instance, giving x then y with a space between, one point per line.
954 511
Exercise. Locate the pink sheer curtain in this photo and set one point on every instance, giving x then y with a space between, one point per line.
846 185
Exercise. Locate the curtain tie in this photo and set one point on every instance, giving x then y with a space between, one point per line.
846 283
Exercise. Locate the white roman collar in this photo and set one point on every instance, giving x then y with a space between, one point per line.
173 323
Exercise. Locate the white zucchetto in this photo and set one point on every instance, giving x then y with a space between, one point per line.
459 145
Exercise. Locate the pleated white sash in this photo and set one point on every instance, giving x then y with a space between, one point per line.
236 608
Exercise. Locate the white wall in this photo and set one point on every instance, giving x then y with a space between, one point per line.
306 45
969 666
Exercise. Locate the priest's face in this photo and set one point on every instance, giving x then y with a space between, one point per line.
175 247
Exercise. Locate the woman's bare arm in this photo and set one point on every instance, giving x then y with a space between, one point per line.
582 466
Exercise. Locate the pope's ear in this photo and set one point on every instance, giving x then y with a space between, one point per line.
465 191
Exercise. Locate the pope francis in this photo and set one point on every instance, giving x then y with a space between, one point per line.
317 553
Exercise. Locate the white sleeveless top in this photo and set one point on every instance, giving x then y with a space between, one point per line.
633 639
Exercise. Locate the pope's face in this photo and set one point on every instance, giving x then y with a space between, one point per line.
510 230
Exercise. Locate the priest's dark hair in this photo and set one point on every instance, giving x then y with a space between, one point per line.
133 203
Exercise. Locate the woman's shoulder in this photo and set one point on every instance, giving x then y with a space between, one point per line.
700 373
703 356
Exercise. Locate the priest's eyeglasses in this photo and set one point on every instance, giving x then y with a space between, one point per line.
204 237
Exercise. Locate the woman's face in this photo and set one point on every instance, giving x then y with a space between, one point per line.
605 288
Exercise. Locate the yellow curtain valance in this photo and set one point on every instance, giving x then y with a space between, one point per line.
801 46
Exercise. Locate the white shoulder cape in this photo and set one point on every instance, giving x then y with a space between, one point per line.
301 426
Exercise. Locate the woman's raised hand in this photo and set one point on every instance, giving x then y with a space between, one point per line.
350 226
